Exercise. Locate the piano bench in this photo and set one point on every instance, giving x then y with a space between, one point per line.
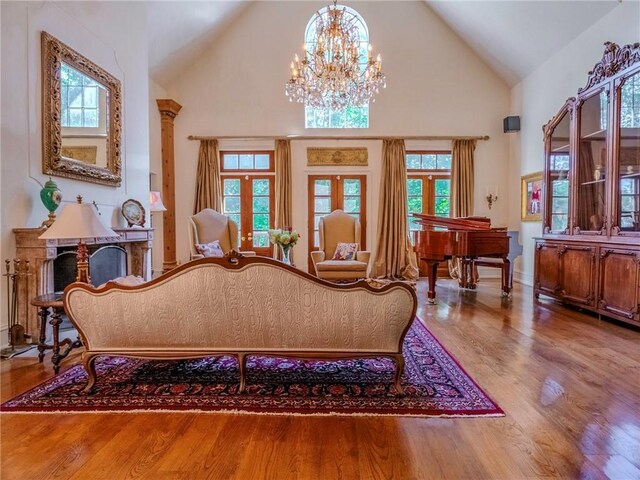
488 262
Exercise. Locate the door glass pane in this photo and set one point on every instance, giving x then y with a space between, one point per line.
414 186
261 186
261 239
322 187
558 171
351 204
629 156
592 155
231 205
351 187
261 222
322 204
442 187
232 186
261 204
442 206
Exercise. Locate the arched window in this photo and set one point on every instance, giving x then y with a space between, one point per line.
352 116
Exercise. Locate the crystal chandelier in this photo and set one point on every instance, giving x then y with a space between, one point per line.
331 75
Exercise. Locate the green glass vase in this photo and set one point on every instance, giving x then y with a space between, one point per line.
51 198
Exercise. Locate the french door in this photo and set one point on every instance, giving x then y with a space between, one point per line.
248 200
332 192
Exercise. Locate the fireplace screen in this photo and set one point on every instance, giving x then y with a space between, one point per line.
105 263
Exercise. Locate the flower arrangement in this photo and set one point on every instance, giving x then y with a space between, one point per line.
284 237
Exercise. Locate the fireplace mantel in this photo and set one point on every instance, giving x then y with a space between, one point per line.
41 253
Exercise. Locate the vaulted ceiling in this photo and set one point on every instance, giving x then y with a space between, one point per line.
512 37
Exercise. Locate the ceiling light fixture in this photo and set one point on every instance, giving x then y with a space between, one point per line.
338 72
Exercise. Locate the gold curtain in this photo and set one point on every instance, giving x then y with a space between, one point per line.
461 186
283 215
395 257
208 183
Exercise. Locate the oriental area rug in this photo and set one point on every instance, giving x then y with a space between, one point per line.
434 384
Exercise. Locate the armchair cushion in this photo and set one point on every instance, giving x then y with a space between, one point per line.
212 249
341 265
345 251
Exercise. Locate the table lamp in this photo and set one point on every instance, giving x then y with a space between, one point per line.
78 220
155 202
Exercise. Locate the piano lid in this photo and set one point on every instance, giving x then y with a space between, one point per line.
460 223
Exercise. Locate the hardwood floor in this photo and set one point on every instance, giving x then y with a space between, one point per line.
568 382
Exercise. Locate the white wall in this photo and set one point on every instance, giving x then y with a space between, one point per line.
155 160
436 86
114 38
539 97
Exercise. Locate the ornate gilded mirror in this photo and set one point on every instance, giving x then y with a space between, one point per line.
81 116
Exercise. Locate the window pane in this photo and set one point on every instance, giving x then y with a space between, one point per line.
414 186
231 204
90 97
316 221
355 215
322 187
444 161
246 162
442 187
415 205
429 161
322 204
261 221
351 204
558 221
262 162
261 186
413 161
232 186
75 97
351 187
560 205
261 204
90 118
75 117
230 162
316 239
442 206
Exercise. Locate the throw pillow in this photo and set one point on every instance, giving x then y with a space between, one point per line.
212 249
345 251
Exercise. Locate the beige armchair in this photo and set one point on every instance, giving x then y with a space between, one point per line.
334 228
208 226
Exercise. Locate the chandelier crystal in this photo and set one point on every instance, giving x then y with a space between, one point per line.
331 75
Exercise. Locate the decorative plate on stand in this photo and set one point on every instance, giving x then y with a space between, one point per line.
133 212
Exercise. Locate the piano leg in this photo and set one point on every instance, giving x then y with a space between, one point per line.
433 274
506 277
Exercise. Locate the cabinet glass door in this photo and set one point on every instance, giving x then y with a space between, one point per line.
592 160
559 176
629 156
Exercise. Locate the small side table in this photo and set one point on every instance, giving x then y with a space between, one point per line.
53 302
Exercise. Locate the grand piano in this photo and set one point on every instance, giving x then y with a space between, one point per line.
467 238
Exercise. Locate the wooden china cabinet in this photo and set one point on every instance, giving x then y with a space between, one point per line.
589 254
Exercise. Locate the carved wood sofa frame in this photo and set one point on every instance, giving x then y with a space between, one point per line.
88 307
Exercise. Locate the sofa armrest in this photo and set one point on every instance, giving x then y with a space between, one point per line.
363 256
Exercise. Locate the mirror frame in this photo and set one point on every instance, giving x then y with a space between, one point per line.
54 52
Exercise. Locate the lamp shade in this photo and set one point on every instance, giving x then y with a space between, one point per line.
155 202
78 220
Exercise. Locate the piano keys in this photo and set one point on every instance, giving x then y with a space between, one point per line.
467 238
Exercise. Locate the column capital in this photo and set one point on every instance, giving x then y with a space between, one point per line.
168 107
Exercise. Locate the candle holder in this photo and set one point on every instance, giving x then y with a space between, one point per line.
491 199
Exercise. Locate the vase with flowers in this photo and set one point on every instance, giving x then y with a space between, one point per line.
285 238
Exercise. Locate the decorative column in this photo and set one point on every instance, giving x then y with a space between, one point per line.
168 111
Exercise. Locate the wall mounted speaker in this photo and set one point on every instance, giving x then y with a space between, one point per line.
511 124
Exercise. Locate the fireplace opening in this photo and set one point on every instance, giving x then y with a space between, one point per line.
106 262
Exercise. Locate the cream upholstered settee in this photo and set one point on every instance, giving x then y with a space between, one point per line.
332 229
207 226
240 306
